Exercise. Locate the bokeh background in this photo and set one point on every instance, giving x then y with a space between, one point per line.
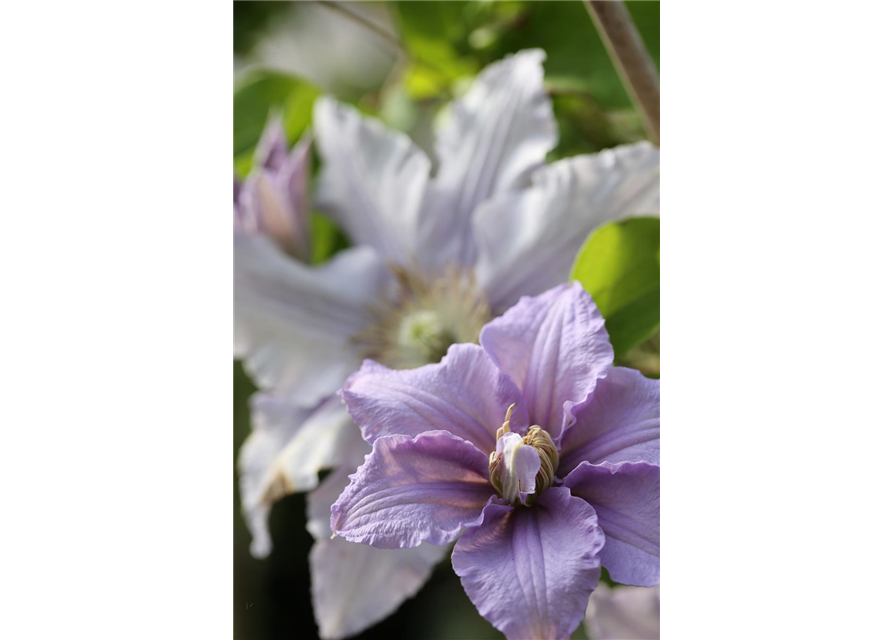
771 295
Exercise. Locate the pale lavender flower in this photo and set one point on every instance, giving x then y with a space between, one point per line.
273 200
568 483
623 613
436 258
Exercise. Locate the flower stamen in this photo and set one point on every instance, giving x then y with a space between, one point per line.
504 470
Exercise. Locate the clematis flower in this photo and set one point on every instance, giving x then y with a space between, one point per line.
623 613
273 201
567 482
435 259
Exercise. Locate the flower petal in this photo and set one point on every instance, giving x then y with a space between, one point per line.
624 613
372 181
355 585
266 206
464 394
627 500
554 347
413 490
238 222
273 424
272 147
495 136
530 570
619 422
287 448
528 240
321 499
293 323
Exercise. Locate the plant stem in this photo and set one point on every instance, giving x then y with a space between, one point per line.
631 59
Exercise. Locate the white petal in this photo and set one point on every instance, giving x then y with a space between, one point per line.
273 424
287 448
372 180
321 499
623 613
293 323
496 134
528 240
355 585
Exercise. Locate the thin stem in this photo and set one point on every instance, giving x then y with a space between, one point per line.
631 59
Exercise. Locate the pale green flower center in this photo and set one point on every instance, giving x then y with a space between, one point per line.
428 312
423 332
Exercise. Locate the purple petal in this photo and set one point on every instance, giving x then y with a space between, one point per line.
274 202
237 214
372 180
627 500
355 585
554 347
293 323
464 394
494 136
528 239
530 570
273 146
413 490
620 422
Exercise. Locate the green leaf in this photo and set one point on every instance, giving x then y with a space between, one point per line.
619 265
434 34
265 92
328 238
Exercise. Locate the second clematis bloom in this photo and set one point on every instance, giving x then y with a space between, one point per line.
531 449
273 201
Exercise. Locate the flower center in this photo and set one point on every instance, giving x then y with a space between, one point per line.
416 324
517 459
423 333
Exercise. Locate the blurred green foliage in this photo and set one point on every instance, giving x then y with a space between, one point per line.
620 266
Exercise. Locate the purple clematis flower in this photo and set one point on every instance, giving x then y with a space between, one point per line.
569 482
273 201
436 258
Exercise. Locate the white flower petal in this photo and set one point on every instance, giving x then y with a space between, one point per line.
273 425
355 585
293 323
287 448
496 134
528 240
623 613
372 180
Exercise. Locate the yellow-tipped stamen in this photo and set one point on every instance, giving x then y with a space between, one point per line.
504 429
